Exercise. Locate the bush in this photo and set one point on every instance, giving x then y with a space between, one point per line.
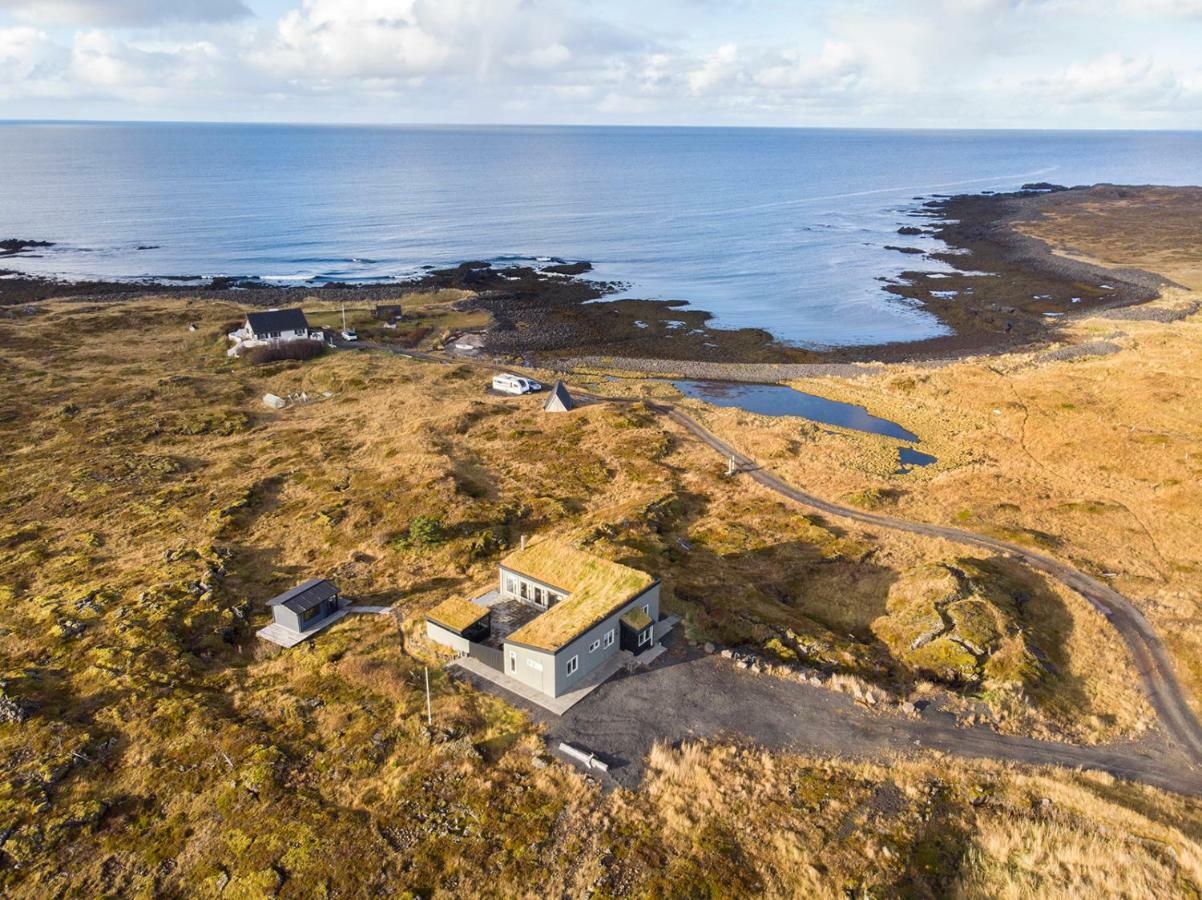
300 350
424 531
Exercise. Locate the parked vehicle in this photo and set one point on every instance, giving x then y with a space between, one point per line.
349 334
515 384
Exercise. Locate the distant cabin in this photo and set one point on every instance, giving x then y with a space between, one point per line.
273 326
306 605
387 311
559 400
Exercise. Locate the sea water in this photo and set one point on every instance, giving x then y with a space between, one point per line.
782 229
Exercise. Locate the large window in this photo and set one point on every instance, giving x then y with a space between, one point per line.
525 590
608 640
310 614
573 665
645 637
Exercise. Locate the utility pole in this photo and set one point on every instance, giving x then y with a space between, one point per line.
429 711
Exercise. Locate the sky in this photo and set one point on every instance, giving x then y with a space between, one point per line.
867 63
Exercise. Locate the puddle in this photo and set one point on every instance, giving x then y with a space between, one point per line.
779 400
908 458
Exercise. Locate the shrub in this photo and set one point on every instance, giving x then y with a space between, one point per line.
424 531
300 350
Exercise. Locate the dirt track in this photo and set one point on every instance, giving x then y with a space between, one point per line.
1150 656
687 695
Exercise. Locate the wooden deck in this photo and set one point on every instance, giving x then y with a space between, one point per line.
277 634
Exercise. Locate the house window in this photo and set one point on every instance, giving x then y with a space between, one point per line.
538 597
310 614
595 645
608 640
647 608
513 661
525 591
552 598
510 587
645 636
573 665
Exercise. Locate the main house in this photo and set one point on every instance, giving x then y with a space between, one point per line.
557 614
273 326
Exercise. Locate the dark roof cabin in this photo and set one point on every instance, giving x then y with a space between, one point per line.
275 323
559 400
305 605
388 311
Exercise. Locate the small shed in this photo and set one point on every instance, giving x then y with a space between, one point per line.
559 400
305 605
387 311
457 622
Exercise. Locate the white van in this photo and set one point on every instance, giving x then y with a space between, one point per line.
515 384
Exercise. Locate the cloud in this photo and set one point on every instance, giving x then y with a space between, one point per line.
870 62
127 13
1115 79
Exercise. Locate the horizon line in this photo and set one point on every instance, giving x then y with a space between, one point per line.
595 125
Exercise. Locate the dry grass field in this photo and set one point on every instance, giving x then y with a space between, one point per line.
1095 459
150 504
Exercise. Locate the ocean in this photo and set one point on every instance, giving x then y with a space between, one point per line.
783 229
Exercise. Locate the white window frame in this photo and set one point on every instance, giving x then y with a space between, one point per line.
608 640
646 635
594 646
647 608
574 664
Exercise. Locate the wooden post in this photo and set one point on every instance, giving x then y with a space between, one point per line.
731 468
429 712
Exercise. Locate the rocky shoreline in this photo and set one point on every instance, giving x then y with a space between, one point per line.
1005 291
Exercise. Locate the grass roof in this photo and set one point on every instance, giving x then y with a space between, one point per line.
457 614
596 588
637 619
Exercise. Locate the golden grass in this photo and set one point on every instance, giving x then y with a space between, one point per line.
457 613
151 505
595 586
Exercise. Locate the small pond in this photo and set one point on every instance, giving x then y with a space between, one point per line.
780 400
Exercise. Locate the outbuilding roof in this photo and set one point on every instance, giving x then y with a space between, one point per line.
457 614
274 320
559 400
636 619
596 589
306 595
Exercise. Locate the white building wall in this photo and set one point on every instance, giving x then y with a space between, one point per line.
589 660
535 668
440 635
